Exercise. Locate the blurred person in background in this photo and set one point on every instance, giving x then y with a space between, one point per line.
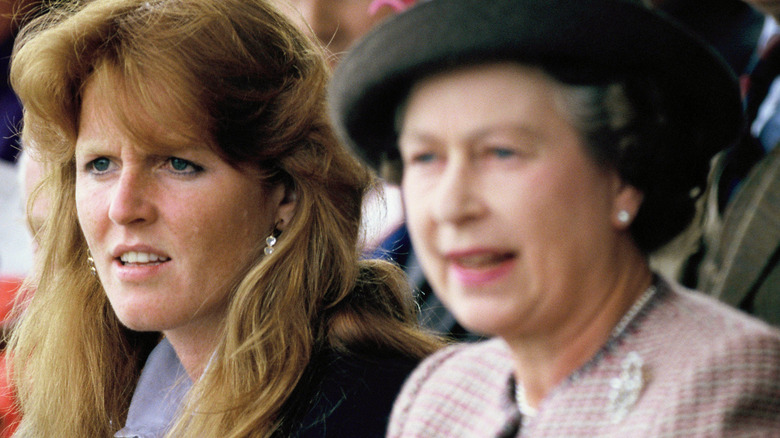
739 261
15 243
732 27
338 25
30 177
732 249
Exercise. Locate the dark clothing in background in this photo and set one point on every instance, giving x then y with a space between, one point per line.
732 27
11 117
397 247
355 396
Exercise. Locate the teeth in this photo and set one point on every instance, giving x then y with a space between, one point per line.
141 257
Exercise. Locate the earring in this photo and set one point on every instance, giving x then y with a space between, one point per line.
623 217
270 241
91 263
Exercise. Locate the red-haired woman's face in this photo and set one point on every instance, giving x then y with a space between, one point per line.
170 229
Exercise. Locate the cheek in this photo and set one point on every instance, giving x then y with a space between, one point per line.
568 217
414 206
420 222
88 208
355 20
566 191
239 222
246 226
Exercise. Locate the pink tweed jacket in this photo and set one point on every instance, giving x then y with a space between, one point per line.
685 366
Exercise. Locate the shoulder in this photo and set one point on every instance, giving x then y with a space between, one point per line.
688 366
356 395
695 314
713 367
485 362
465 388
692 326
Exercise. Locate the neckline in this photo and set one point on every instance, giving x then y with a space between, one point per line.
616 334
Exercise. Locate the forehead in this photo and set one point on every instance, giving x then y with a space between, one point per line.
473 97
142 109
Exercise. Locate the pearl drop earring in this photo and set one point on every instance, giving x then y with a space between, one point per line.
270 241
623 216
91 263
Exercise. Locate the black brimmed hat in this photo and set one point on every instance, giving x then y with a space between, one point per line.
580 41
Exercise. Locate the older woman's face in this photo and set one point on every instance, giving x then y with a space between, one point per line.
509 216
169 229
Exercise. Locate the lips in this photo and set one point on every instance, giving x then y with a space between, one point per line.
478 268
141 258
139 255
481 261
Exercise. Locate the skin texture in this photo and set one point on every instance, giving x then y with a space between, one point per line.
515 226
204 218
336 23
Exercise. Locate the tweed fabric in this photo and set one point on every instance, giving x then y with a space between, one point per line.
709 371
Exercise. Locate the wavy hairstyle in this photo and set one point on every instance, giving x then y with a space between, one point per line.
256 85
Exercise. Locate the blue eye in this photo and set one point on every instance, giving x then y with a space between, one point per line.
99 165
423 158
180 165
503 152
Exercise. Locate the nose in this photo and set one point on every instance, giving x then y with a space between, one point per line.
457 195
131 202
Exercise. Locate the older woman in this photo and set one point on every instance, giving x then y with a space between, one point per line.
200 272
546 147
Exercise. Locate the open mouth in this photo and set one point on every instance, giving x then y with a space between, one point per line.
135 258
482 261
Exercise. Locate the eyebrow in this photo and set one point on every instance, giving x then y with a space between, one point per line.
521 129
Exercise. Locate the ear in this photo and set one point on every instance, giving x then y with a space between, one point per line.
626 205
286 200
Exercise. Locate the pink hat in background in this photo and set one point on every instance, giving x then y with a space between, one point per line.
398 5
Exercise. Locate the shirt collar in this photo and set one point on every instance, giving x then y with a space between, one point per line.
162 387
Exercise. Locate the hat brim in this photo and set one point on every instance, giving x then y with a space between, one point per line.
583 41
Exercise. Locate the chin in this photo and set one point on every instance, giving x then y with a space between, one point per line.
139 321
482 321
138 326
